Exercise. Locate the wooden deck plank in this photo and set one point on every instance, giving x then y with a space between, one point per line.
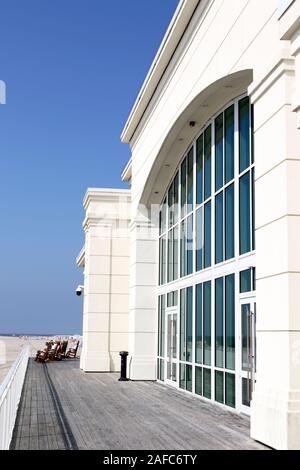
95 411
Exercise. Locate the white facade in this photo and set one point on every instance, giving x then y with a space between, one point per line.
211 57
105 259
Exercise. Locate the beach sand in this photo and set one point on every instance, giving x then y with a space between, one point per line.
10 347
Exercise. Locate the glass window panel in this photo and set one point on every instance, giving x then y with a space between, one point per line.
198 381
219 386
245 230
207 322
183 188
160 222
219 229
183 249
190 179
162 325
159 326
230 390
160 261
189 244
245 392
245 336
189 325
176 198
219 302
253 208
175 253
163 254
200 172
174 344
171 205
207 383
170 299
219 178
245 281
207 163
182 377
244 133
199 239
175 298
207 235
162 369
229 222
189 378
229 144
183 324
199 323
254 278
170 256
164 217
230 321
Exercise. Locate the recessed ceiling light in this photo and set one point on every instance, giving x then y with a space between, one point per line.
156 192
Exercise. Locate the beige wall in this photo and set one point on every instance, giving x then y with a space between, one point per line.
106 279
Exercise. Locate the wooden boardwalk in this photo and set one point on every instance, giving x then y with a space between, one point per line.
64 408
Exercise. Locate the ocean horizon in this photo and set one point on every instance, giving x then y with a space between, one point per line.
38 334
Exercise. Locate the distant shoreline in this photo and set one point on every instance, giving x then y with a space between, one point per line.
9 335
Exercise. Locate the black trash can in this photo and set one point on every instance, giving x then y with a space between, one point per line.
123 377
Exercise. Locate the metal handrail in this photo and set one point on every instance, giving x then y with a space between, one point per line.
10 394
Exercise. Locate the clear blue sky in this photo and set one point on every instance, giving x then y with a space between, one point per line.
73 69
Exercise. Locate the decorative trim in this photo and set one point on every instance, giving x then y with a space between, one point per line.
285 64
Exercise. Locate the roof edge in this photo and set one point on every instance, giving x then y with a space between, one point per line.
179 22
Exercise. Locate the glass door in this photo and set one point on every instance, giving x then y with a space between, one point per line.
247 352
172 347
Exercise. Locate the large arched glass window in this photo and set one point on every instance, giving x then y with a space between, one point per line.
207 216
206 262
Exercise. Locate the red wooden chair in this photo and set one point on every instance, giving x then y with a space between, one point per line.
73 350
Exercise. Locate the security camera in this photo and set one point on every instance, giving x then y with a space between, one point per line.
79 290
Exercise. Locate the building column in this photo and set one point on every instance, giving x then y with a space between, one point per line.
275 409
106 279
96 310
143 300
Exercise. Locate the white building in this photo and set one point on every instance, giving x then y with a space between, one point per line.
207 299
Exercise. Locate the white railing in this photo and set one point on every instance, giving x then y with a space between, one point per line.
10 394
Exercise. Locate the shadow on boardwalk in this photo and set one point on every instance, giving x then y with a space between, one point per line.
64 408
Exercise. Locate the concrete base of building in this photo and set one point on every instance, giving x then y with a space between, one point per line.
95 361
142 368
275 420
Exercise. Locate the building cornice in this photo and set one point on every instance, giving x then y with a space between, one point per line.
127 172
178 25
105 195
284 64
80 260
289 22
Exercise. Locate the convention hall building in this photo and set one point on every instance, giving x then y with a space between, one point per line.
195 269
